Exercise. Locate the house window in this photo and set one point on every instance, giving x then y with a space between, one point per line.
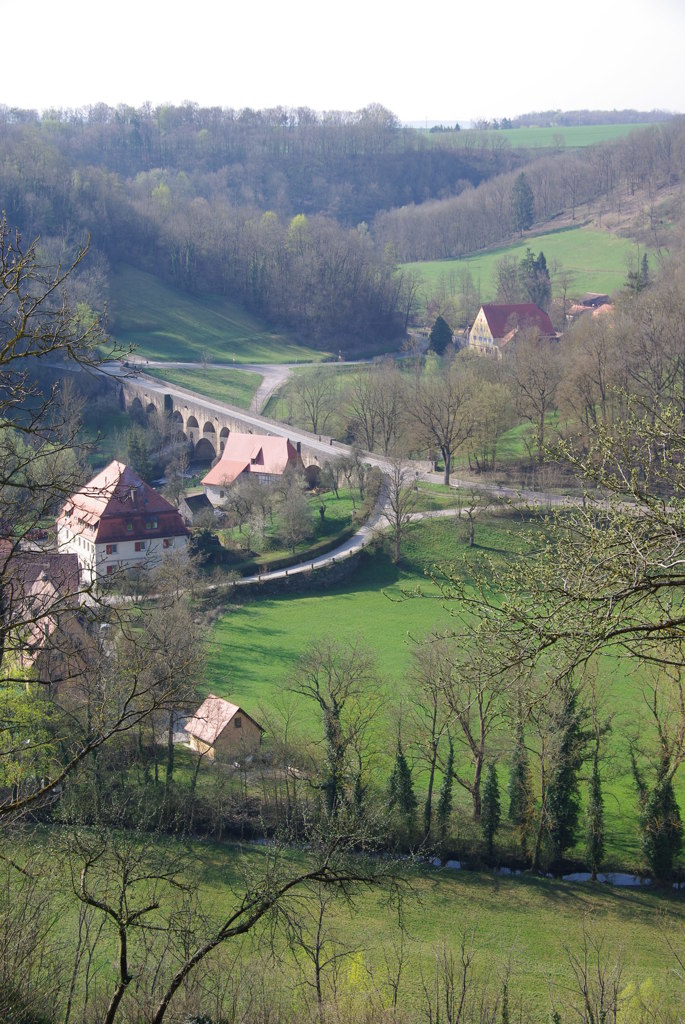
140 545
150 524
110 570
111 549
238 722
129 527
166 543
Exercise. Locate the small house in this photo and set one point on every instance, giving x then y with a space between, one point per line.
223 731
195 508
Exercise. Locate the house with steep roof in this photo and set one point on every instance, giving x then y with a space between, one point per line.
257 455
497 323
222 730
117 522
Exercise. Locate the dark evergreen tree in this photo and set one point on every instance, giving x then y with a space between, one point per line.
521 790
138 453
401 788
595 819
491 811
660 822
444 809
522 203
563 792
441 336
534 279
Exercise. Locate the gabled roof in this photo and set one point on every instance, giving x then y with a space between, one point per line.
505 318
115 496
212 717
252 453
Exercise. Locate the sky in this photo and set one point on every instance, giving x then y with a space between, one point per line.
430 60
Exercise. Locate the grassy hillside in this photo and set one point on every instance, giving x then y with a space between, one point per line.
529 924
598 261
236 387
163 323
562 137
253 651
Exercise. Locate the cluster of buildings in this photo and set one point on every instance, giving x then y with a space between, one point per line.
498 323
118 522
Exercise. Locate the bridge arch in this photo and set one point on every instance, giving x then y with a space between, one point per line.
192 429
223 438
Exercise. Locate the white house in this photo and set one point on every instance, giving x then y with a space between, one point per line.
497 323
117 521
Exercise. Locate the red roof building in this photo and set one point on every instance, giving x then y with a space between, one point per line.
116 522
497 323
258 455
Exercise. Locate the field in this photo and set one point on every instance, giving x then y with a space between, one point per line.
254 650
235 387
165 323
598 261
561 137
527 923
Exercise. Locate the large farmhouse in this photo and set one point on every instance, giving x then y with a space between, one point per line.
220 729
117 521
258 455
497 323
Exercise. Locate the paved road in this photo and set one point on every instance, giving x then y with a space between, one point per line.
327 447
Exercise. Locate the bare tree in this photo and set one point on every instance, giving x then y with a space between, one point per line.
342 681
401 498
441 413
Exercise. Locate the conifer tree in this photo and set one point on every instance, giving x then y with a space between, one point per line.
401 788
440 336
595 819
563 791
522 203
444 809
521 789
660 821
491 813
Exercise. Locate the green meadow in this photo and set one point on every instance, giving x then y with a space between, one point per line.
527 923
225 384
254 649
555 137
166 323
597 260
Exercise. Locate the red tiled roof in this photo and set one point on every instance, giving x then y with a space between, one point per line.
118 496
504 318
252 453
212 717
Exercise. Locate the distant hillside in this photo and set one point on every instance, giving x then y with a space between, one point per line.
162 322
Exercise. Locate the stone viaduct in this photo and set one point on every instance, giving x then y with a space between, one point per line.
206 424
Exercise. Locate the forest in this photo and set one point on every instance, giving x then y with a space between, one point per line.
301 218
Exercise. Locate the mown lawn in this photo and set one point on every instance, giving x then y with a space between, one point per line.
165 323
557 137
235 387
598 261
253 652
527 923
